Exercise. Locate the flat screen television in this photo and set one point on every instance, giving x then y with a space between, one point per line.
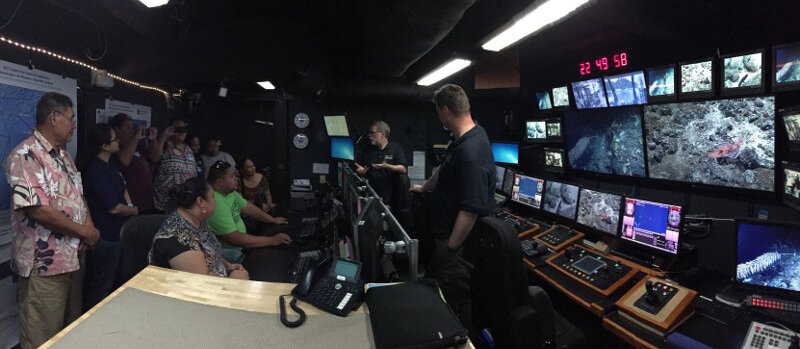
505 153
786 67
553 127
342 148
742 74
561 199
653 224
336 126
508 181
554 160
626 89
791 123
501 173
607 141
768 255
527 191
535 131
729 142
661 84
589 94
697 79
560 97
599 211
791 184
543 98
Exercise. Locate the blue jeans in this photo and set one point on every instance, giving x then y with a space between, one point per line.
103 263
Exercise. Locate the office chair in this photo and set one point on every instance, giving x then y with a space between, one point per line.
517 315
136 238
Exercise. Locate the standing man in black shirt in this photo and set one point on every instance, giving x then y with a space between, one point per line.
463 187
381 161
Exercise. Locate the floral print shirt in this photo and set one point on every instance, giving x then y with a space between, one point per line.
189 238
176 167
41 174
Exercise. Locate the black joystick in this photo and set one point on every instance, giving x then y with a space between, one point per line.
651 297
604 271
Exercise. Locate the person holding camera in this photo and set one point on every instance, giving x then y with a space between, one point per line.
137 166
177 164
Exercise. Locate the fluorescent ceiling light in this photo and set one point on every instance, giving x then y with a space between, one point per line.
533 19
449 68
154 3
266 85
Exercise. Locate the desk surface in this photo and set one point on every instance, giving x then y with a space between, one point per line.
252 296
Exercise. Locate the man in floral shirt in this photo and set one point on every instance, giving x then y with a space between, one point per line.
50 221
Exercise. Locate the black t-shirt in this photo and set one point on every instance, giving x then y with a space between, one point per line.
466 181
166 249
381 179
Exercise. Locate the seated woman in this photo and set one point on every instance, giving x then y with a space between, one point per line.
255 188
184 242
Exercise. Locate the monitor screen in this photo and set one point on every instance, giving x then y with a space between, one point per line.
728 142
508 181
553 128
501 171
742 71
661 81
599 210
791 184
560 97
791 120
589 94
561 199
346 269
342 148
507 153
535 130
544 100
554 158
768 255
606 141
652 224
336 126
626 89
527 191
787 65
697 77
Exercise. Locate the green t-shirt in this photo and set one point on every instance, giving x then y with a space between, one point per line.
227 215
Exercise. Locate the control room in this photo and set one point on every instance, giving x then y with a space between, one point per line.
400 174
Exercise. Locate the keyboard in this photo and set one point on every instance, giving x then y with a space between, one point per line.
307 227
714 310
761 336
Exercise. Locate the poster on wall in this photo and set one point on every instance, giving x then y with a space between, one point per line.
140 114
20 90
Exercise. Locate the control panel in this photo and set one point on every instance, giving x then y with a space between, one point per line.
522 225
762 336
558 237
772 303
602 274
657 304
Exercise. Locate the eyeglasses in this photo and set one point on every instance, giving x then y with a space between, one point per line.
71 119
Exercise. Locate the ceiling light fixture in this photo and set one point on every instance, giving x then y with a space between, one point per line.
453 66
266 85
154 3
531 20
76 62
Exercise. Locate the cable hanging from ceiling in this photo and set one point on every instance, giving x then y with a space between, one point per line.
77 62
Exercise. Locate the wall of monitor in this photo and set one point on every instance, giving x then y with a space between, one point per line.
717 136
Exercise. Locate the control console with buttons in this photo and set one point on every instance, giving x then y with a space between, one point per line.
602 274
558 237
761 336
657 304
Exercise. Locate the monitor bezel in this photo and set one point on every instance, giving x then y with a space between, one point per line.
535 140
555 120
602 86
652 249
787 199
556 216
353 145
511 195
549 97
752 287
506 163
570 97
554 169
502 181
741 91
587 228
786 86
647 90
324 124
663 98
793 146
697 94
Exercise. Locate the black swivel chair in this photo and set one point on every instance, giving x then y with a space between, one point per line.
517 315
136 238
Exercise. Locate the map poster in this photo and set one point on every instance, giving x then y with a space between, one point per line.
20 90
140 114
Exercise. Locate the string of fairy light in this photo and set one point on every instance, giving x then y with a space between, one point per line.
77 62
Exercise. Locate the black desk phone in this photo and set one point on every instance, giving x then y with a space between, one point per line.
337 290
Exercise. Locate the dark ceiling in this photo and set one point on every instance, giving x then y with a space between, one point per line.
308 46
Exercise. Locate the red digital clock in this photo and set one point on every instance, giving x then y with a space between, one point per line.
602 64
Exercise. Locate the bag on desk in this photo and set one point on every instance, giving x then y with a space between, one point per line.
413 315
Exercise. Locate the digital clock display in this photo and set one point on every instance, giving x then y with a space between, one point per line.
604 63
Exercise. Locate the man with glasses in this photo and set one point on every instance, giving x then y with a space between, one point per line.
381 161
213 154
177 163
50 221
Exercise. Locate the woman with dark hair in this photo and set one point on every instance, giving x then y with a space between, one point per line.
194 143
254 187
184 242
110 206
177 163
